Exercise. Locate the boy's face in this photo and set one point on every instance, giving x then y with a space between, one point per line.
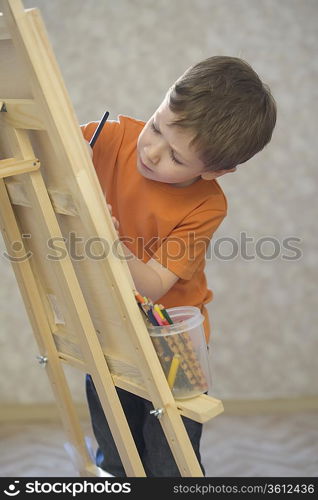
164 153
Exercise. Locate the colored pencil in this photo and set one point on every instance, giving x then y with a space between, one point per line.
173 370
139 298
165 314
152 318
156 315
98 129
158 310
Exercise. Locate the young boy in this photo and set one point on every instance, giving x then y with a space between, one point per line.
160 180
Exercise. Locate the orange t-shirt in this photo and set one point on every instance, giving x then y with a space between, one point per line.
157 220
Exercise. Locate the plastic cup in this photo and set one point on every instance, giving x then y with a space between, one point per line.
182 352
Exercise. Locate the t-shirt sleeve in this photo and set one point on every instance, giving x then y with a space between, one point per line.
108 132
184 250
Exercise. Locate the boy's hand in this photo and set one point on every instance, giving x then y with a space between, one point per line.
115 221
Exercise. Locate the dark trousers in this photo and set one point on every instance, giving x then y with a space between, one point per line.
146 430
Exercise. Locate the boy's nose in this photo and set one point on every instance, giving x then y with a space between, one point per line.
153 152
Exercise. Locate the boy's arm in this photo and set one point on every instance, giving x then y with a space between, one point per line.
152 280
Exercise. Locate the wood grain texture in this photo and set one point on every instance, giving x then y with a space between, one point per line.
89 299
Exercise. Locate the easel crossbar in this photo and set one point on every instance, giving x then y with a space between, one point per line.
15 166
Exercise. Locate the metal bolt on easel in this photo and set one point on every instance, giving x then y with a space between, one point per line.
42 360
157 412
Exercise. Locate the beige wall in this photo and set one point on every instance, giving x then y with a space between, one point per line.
122 56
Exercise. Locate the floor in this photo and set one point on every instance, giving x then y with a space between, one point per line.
232 446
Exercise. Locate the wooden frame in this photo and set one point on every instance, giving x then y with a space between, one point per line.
82 310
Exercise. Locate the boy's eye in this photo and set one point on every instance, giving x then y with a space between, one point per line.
174 159
154 128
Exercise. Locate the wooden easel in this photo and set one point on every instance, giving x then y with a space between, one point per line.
83 311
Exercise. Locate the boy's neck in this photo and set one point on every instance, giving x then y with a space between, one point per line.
186 183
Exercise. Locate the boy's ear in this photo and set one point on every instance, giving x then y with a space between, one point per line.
213 174
209 175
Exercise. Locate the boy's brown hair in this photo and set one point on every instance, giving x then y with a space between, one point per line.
230 110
